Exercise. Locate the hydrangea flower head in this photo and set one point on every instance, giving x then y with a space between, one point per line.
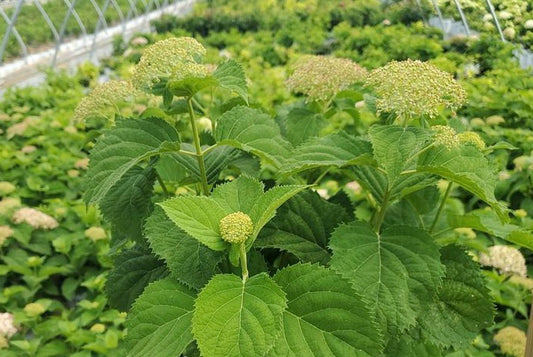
445 135
322 77
414 88
506 259
512 341
236 227
7 325
174 57
34 218
473 138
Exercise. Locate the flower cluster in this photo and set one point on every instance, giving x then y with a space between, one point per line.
322 77
414 88
236 227
473 138
506 259
34 218
8 203
512 341
95 233
6 188
104 99
7 325
5 232
445 135
173 57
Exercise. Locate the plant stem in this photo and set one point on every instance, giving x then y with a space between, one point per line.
529 341
382 210
244 263
448 189
319 178
199 154
162 184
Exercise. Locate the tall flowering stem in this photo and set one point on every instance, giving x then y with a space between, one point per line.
198 148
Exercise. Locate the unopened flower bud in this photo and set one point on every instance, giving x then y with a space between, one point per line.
236 227
472 138
34 309
444 135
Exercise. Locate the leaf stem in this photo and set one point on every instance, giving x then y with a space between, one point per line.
382 210
441 206
162 184
199 154
244 263
320 177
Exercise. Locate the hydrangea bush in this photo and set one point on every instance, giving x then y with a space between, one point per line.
223 247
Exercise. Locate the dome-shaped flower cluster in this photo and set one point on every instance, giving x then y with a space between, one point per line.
506 259
322 77
5 232
236 227
414 88
512 341
103 100
8 204
34 218
7 325
95 233
174 57
6 188
473 138
445 135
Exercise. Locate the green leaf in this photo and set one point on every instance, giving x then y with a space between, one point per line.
160 321
395 146
199 216
252 131
188 87
120 148
188 260
396 272
302 124
464 305
134 270
302 227
487 221
128 202
339 150
324 316
465 166
230 75
412 344
236 318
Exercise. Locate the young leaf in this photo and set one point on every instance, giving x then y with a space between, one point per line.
188 260
188 87
465 166
394 147
122 147
199 216
160 321
339 149
128 202
464 306
324 316
237 318
302 227
134 270
396 272
302 124
252 131
230 75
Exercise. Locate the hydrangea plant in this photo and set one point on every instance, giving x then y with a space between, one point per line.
222 247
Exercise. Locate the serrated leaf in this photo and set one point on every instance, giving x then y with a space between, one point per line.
160 321
230 75
339 150
324 316
120 148
199 216
236 318
463 307
302 124
394 147
465 166
411 344
188 87
252 131
188 260
302 227
488 222
134 270
128 202
396 271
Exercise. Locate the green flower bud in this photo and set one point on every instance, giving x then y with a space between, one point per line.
6 188
236 227
472 138
444 135
512 341
34 309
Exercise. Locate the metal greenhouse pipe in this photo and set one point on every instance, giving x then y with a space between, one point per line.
70 10
15 33
439 14
463 17
495 19
10 26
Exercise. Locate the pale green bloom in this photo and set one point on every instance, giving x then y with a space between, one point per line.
6 188
322 77
98 328
445 135
236 227
34 309
472 138
95 233
7 325
506 259
414 88
34 218
512 341
5 232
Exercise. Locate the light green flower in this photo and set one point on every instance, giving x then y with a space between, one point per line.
236 227
445 135
512 341
6 188
472 138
